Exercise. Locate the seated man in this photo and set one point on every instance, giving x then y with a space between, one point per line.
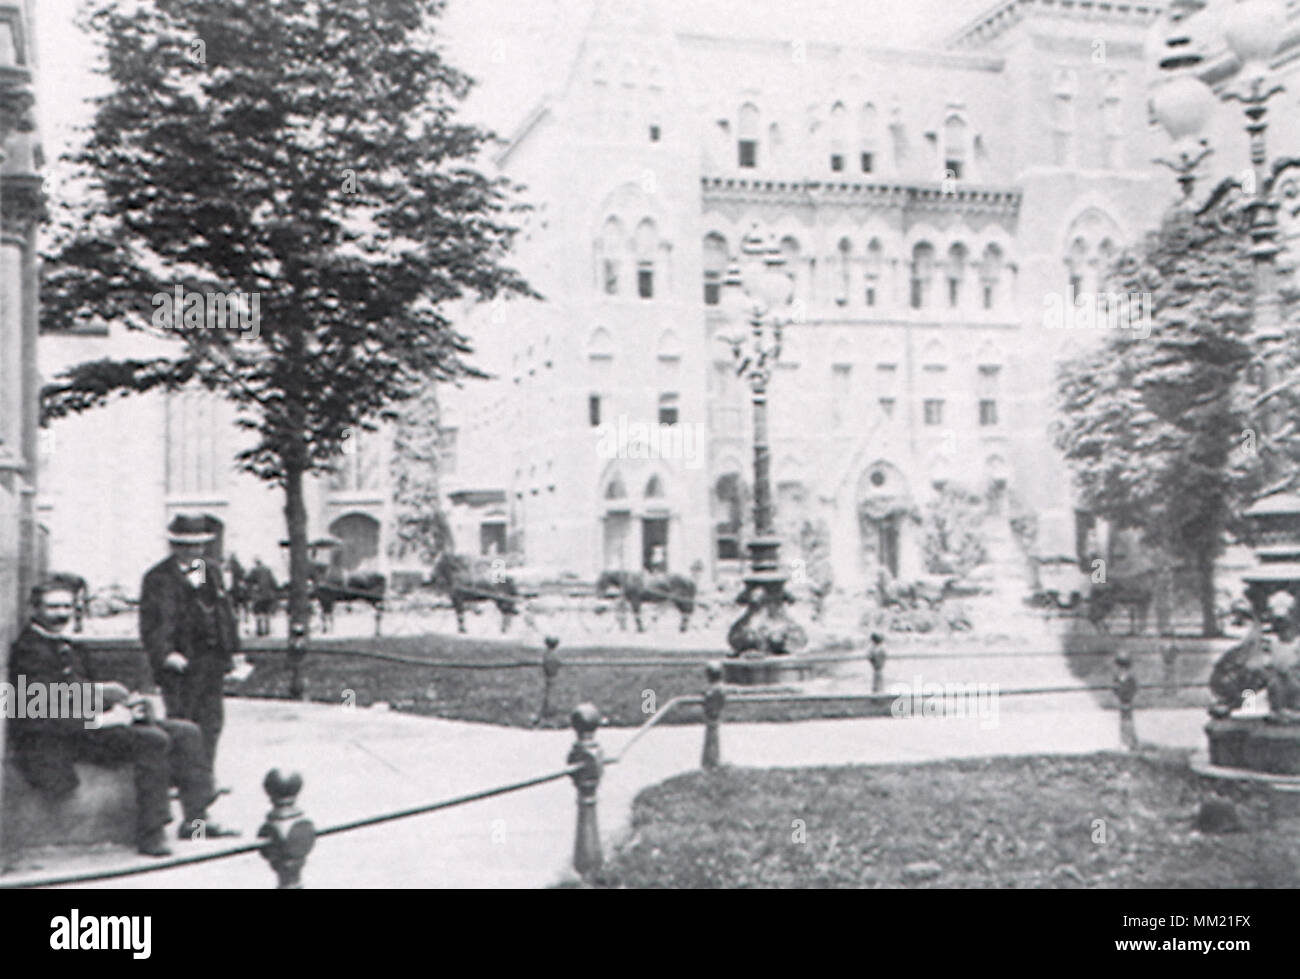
162 752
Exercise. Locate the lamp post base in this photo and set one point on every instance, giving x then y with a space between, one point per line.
765 627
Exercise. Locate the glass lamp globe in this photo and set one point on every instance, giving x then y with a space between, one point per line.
736 305
1182 106
1253 30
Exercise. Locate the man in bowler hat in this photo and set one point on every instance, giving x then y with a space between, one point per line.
188 629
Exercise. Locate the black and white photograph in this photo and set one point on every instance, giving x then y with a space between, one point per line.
651 445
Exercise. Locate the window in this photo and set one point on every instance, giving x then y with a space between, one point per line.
953 168
887 406
715 263
645 280
987 389
846 263
196 459
593 410
368 471
990 272
868 137
1065 87
933 411
609 251
875 262
837 162
841 391
668 409
956 273
747 143
654 134
922 272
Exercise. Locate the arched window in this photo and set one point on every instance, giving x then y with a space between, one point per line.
955 151
747 136
1112 121
875 267
775 143
839 133
868 138
1076 263
987 384
715 267
647 244
616 489
845 257
654 488
922 274
609 256
957 258
790 251
991 275
1065 88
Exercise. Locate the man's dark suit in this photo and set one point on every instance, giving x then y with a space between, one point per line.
162 753
197 622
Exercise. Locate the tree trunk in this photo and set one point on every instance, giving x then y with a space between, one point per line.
295 514
1205 589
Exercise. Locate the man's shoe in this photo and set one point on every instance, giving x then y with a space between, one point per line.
203 829
154 845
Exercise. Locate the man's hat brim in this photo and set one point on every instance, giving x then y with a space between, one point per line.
191 538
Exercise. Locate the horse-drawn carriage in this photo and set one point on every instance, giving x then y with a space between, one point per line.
1064 587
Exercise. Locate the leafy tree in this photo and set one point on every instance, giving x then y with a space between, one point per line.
953 542
302 152
1152 426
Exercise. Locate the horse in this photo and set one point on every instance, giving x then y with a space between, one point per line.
1105 597
327 587
454 575
638 587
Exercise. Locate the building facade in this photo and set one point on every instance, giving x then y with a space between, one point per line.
929 204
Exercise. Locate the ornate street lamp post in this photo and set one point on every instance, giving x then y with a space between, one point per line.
1253 30
760 294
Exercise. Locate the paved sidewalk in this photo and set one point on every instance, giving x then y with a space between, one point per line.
363 761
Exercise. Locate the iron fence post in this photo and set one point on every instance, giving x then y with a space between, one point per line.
1126 686
289 836
877 657
587 857
550 669
715 698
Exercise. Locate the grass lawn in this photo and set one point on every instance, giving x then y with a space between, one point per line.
507 696
1003 822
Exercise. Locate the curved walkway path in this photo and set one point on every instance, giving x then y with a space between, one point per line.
358 762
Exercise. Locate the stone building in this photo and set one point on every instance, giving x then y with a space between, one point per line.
929 205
